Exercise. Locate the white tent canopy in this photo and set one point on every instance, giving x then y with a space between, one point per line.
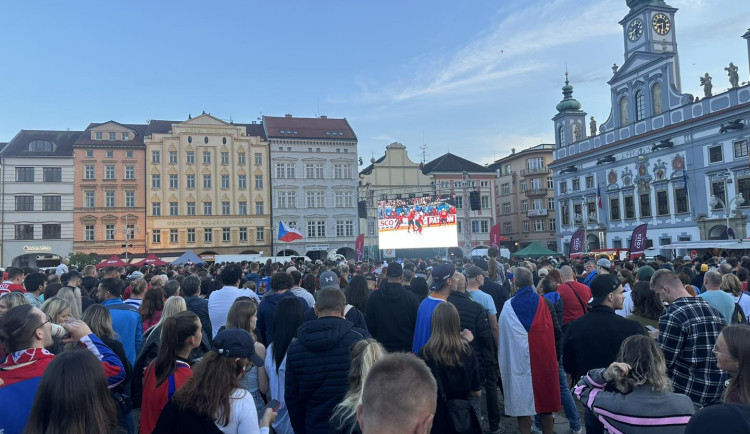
707 244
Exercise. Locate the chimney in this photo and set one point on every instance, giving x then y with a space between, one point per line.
323 117
287 115
512 150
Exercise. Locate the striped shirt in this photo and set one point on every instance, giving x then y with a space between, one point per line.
641 411
688 330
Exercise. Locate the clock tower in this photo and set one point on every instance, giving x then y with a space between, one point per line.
649 28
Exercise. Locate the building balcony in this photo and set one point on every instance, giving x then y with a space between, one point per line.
536 192
537 213
536 171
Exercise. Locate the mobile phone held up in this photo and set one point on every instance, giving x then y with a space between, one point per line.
273 405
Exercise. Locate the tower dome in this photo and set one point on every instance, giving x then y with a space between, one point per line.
568 103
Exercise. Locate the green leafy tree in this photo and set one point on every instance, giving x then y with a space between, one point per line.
81 260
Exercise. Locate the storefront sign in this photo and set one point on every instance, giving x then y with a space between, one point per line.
317 247
37 248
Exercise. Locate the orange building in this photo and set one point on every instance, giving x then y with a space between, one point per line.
109 211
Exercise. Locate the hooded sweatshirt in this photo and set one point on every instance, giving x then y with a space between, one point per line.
317 369
391 314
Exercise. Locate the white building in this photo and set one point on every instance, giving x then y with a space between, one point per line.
314 184
37 198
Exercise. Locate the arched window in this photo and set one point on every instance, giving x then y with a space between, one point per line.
656 97
623 111
640 106
561 135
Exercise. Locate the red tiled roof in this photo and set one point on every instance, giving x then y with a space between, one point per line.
308 128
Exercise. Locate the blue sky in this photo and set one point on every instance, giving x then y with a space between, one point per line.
475 78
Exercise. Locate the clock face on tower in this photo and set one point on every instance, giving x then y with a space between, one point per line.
635 30
661 24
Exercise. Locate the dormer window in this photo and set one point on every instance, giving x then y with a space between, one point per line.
112 136
41 146
125 136
98 135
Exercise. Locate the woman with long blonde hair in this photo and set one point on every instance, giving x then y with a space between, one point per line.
455 368
364 354
73 297
642 400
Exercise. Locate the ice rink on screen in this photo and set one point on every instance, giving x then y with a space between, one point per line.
433 236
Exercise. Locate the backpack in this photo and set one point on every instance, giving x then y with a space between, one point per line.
738 316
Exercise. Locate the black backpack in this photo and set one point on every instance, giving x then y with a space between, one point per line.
738 316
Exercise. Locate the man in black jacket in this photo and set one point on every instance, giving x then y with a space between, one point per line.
391 312
474 318
318 363
191 285
593 340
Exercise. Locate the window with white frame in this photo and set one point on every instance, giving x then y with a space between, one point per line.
156 236
208 235
259 207
225 158
551 203
174 182
89 231
524 205
258 181
89 199
241 159
206 157
156 208
243 235
260 233
109 172
174 208
208 208
226 235
225 181
315 199
172 157
190 236
226 207
740 149
206 180
190 157
242 208
109 199
526 226
173 236
552 224
316 228
258 159
342 171
507 227
155 180
129 172
314 170
88 172
190 181
485 200
506 208
155 157
109 232
344 228
539 225
242 182
344 199
190 208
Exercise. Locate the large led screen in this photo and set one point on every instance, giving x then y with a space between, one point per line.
427 221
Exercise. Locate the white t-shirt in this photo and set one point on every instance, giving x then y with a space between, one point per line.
61 269
243 418
744 301
219 303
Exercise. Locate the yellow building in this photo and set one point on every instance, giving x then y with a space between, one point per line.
207 187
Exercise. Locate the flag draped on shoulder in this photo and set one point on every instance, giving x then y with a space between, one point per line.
287 233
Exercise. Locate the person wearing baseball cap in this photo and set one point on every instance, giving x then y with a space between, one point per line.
202 404
391 312
442 282
593 340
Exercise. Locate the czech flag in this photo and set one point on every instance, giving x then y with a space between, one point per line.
287 233
599 196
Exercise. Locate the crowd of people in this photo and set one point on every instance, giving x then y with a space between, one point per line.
413 346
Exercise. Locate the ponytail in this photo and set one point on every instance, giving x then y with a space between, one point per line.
174 332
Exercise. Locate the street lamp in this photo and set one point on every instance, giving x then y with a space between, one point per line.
128 236
737 200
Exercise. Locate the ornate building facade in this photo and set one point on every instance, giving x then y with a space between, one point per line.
109 212
670 159
314 175
207 187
